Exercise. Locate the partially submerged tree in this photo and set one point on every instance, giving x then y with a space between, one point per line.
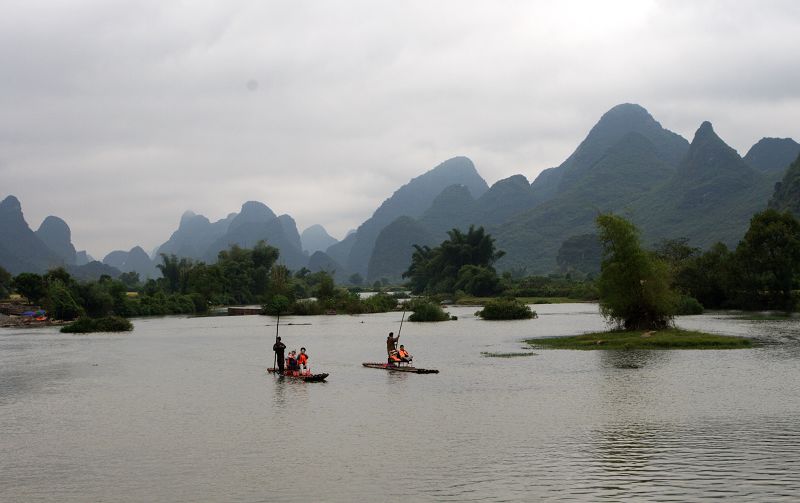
634 285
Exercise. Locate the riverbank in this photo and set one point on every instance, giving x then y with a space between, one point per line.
12 321
672 338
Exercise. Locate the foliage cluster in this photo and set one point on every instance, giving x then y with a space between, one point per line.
506 309
763 272
426 310
66 299
85 325
461 262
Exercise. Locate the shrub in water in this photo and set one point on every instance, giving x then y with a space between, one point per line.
108 324
427 311
506 309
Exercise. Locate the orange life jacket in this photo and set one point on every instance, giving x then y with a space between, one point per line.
403 353
302 358
394 357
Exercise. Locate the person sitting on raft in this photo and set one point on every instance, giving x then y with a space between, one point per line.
394 357
291 362
302 359
403 354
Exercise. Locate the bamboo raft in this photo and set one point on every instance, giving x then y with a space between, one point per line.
398 368
303 377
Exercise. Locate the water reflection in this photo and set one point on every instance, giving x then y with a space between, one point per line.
629 360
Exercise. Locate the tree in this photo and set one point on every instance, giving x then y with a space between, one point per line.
634 285
325 288
277 305
30 285
477 280
5 283
175 271
60 302
709 277
356 279
130 279
768 259
437 270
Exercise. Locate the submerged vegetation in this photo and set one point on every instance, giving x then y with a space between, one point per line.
672 338
505 355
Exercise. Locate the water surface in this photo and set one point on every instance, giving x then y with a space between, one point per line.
181 410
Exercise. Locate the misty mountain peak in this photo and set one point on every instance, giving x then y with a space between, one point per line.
10 203
772 154
705 129
191 219
256 211
252 212
629 113
55 226
316 238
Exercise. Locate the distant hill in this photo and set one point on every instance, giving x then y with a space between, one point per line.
627 164
135 260
772 155
612 127
394 247
92 271
316 238
256 222
115 258
626 171
321 261
711 198
412 199
194 235
56 235
83 258
787 192
21 250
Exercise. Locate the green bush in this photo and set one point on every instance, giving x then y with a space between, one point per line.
427 311
380 303
107 324
506 309
688 305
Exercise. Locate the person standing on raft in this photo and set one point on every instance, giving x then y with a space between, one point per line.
279 348
391 343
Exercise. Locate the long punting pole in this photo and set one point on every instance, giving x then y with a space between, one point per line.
401 323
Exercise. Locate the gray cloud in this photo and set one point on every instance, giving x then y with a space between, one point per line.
119 115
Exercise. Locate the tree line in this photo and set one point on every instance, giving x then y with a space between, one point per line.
240 276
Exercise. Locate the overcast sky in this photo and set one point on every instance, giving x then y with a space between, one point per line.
120 115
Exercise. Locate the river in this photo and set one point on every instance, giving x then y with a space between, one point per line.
182 410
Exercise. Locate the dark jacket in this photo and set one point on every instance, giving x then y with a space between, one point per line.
279 347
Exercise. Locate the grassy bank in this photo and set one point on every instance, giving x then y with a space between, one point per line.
672 338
